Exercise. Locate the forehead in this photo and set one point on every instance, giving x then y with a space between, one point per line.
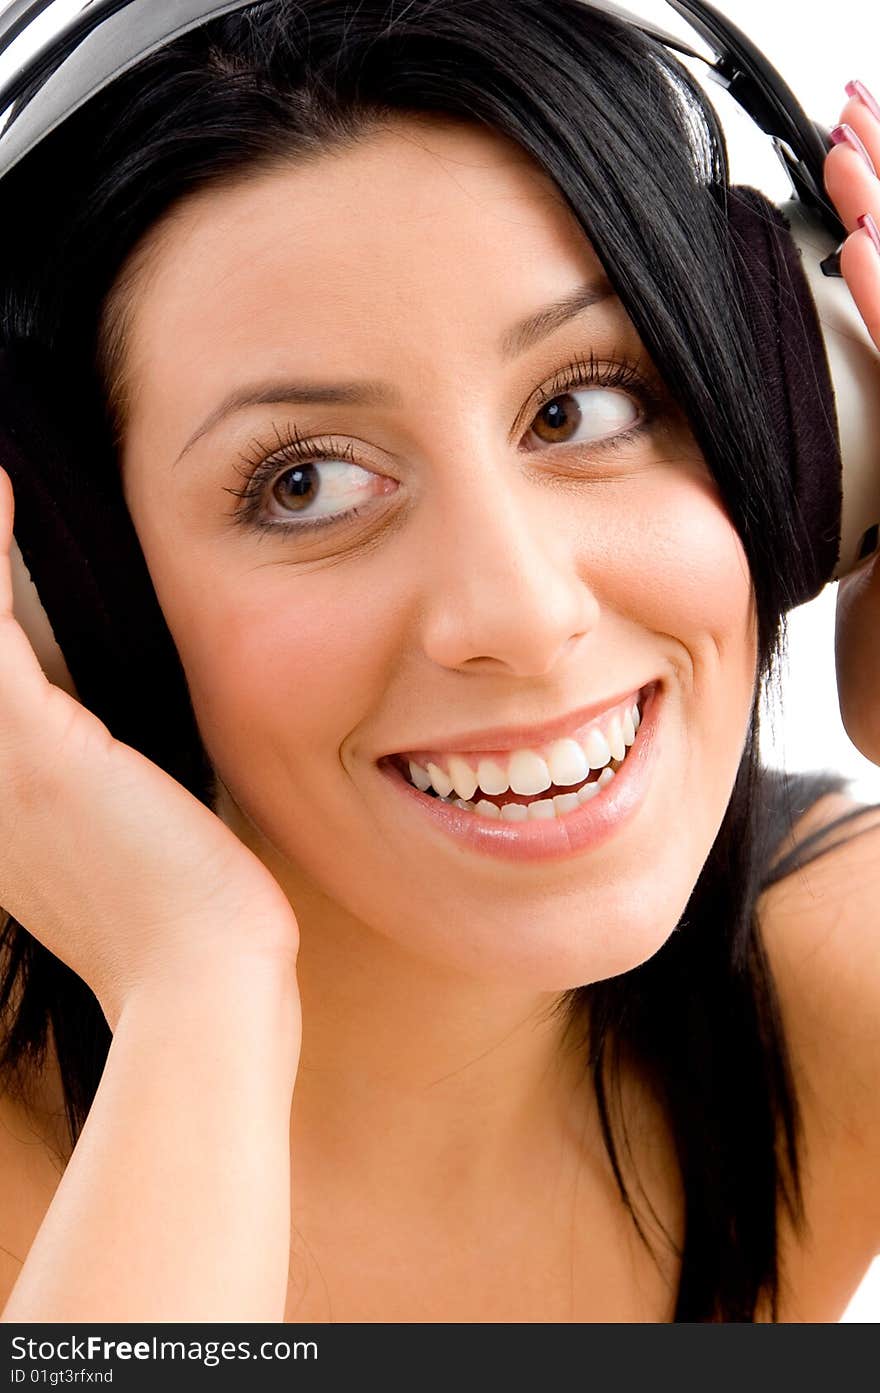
424 234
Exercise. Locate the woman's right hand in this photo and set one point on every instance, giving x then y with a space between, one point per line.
108 861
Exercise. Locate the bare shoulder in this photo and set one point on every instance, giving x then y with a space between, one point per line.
821 929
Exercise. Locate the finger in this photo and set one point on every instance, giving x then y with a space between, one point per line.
7 512
858 658
866 127
23 684
860 265
851 186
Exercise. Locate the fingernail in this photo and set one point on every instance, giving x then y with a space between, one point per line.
845 135
858 89
868 223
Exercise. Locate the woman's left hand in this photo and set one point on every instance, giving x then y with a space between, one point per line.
855 190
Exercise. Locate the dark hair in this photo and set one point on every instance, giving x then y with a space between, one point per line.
634 148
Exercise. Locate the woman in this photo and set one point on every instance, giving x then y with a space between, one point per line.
415 355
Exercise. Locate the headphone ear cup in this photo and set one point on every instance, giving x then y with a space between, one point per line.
80 547
794 366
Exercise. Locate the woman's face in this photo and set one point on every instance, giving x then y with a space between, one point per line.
532 546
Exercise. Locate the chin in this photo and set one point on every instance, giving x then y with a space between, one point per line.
546 950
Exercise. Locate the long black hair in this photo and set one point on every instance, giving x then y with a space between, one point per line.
635 150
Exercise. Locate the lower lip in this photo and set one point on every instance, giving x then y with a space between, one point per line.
546 839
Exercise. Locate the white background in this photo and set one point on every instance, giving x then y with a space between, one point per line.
817 49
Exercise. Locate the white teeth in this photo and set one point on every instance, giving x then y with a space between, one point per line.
558 806
464 778
528 773
563 762
596 748
615 739
492 776
567 763
587 792
442 784
420 777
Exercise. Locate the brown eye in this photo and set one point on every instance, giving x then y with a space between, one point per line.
297 487
305 485
597 413
322 487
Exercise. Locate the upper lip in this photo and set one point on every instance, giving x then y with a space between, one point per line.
518 737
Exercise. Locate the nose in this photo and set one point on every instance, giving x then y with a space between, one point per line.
505 588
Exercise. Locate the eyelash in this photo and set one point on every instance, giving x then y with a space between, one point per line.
294 448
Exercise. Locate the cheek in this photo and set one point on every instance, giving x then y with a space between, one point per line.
703 598
687 573
281 668
676 568
688 584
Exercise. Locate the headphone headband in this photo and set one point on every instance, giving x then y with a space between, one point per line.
98 45
109 37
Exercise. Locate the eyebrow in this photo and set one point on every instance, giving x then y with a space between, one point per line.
514 342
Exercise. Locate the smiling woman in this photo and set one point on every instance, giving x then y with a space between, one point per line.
408 361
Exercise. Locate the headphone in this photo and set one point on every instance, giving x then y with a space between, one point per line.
817 358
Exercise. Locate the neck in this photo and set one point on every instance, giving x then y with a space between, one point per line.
424 1088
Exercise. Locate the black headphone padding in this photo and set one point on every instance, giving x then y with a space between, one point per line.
794 368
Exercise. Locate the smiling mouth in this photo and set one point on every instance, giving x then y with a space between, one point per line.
548 782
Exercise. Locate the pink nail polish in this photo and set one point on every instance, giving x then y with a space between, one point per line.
868 223
845 135
858 89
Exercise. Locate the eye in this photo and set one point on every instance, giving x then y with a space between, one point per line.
593 401
321 487
588 416
321 483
